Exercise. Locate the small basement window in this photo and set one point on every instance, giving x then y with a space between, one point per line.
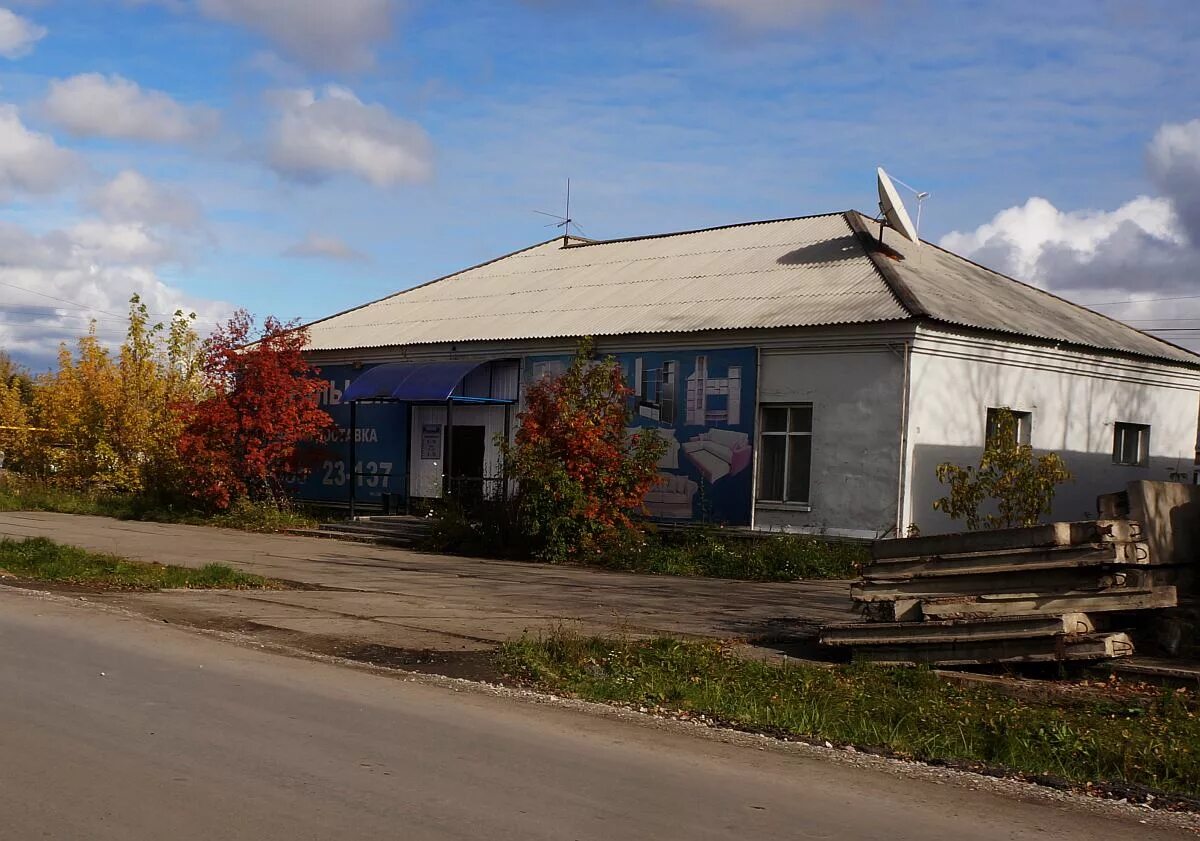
785 453
1024 422
1131 444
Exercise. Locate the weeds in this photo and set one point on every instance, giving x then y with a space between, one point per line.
24 495
491 531
707 552
1152 741
44 560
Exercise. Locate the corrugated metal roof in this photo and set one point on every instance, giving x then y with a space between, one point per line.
953 290
790 273
805 272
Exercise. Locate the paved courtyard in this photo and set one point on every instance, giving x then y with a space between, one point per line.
422 601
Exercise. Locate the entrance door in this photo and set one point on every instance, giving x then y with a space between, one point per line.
465 447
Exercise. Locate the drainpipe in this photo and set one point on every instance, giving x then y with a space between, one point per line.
901 483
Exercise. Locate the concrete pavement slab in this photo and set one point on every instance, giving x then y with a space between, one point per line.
412 600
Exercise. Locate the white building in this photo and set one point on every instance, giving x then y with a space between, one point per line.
806 376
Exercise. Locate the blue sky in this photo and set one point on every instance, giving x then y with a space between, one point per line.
296 157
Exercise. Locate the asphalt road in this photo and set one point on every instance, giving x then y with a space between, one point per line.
118 728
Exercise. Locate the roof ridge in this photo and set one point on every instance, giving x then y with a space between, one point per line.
704 230
903 292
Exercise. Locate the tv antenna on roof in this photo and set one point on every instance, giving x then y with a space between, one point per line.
891 207
565 221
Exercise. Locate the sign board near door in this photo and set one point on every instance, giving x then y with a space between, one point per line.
431 441
380 446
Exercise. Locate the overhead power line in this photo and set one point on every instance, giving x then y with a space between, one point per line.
1137 301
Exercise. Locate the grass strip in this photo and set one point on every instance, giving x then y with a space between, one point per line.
26 495
1147 740
41 559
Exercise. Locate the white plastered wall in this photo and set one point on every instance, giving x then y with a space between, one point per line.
857 398
1075 398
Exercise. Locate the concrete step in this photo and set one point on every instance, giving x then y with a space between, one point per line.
407 530
968 563
956 631
1047 649
1042 582
1051 534
1119 600
396 539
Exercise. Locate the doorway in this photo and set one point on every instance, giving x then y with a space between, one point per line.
464 467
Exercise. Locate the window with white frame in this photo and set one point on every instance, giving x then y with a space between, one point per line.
1023 421
785 453
1131 444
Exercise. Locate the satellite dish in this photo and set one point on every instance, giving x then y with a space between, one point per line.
893 208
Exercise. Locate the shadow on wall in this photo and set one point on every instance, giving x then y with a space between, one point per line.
1094 474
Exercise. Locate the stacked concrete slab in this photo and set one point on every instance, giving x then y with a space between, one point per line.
1062 591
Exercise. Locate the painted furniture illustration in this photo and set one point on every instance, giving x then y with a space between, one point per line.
701 386
655 390
718 453
669 460
671 498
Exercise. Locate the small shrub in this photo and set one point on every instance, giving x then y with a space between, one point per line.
1021 486
487 529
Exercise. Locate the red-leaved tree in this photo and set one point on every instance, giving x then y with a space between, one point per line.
581 479
243 439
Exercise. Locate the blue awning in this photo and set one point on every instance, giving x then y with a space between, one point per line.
410 381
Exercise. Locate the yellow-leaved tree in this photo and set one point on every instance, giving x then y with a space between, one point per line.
14 422
112 420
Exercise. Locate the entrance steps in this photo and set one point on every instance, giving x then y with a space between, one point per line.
392 530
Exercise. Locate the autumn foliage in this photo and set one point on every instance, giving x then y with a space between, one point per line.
581 478
243 439
165 418
104 420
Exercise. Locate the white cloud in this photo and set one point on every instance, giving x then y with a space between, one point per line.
55 282
1140 244
1146 249
18 34
30 161
52 282
336 35
768 13
323 247
118 243
319 136
131 197
94 105
1174 160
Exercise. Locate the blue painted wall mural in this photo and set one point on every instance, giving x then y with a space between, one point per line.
703 403
381 448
